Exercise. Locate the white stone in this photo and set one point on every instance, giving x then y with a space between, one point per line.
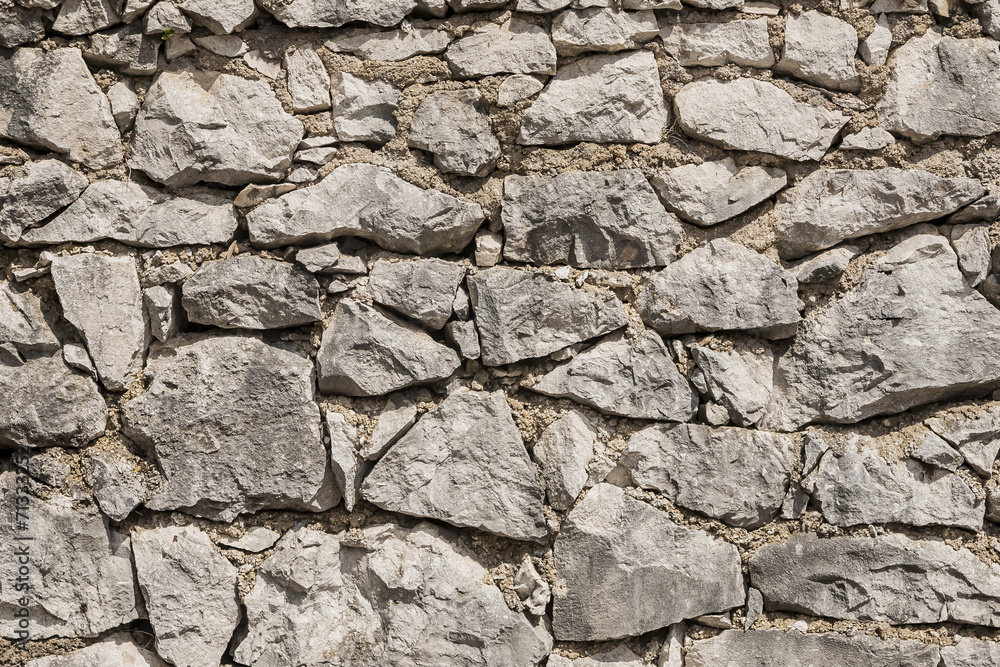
713 44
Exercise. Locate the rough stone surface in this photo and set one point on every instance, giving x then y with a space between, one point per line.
577 31
334 13
515 47
563 452
48 186
972 245
127 49
163 307
22 323
308 82
867 139
451 125
971 653
740 380
118 489
115 651
423 290
825 265
363 110
516 88
713 44
820 49
976 435
392 45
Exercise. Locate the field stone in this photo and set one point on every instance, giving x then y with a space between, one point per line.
601 219
95 289
82 17
366 352
48 99
972 245
423 290
825 265
48 186
743 43
124 105
533 590
627 376
577 31
222 415
227 46
714 192
716 4
118 488
220 16
255 540
874 48
163 307
469 442
307 80
867 139
563 452
605 99
115 651
891 578
391 45
452 126
516 88
363 110
967 652
398 415
190 593
976 436
541 6
374 204
335 13
933 450
515 47
985 209
462 6
464 337
320 259
22 322
738 476
162 17
617 559
348 470
19 25
731 114
820 49
521 315
740 380
616 657
126 49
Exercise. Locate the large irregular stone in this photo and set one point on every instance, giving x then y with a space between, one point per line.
335 13
190 593
220 16
971 653
206 126
47 186
118 486
911 332
366 352
388 595
713 192
722 286
750 115
249 292
372 203
80 571
975 434
596 219
631 377
515 47
47 404
606 98
563 452
48 99
618 559
19 25
469 442
96 290
577 31
830 205
616 657
738 476
452 125
308 81
82 17
423 290
392 45
892 578
22 323
115 651
942 85
972 245
794 649
363 110
127 49
740 380
522 315
234 427
820 49
141 216
824 266
713 44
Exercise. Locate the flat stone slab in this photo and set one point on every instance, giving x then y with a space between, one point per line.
116 650
516 47
971 653
453 126
48 186
391 45
713 44
973 433
820 49
22 322
577 31
333 13
423 290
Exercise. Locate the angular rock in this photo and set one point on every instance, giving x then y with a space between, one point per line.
127 49
874 49
452 126
234 427
206 126
363 110
975 435
397 417
577 31
82 17
221 17
934 451
563 452
971 653
163 307
830 205
722 286
140 216
335 13
714 192
972 245
372 203
617 657
825 265
598 219
534 591
820 49
115 651
521 315
22 322
308 81
48 99
321 259
469 442
19 25
348 470
96 289
118 488
716 4
175 272
163 17
366 352
255 540
393 45
985 209
634 378
464 337
516 88
729 114
738 476
423 290
867 139
891 578
227 46
516 47
47 186
618 559
124 105
911 332
190 593
541 6
607 98
741 380
713 44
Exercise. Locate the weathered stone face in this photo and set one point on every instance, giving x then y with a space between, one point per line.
516 47
711 44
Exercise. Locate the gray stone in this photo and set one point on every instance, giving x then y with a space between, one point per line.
124 105
469 442
795 649
141 216
516 47
750 115
598 219
96 289
318 156
985 209
870 354
48 99
22 322
321 259
392 45
891 578
82 17
533 590
755 606
516 88
227 46
714 192
220 16
616 657
606 98
163 17
521 315
374 204
900 6
830 205
740 380
672 651
874 48
218 413
452 125
76 356
976 434
867 139
716 4
190 593
115 651
348 469
163 307
335 13
175 272
738 476
19 25
820 49
933 450
423 290
627 376
722 286
461 6
308 81
563 452
397 417
577 31
541 6
249 292
464 337
366 352
618 559
206 126
971 653
713 44
255 540
436 8
363 110
118 488
972 245
824 266
942 85
46 187
126 49
489 248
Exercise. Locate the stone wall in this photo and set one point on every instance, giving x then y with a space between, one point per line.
547 332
